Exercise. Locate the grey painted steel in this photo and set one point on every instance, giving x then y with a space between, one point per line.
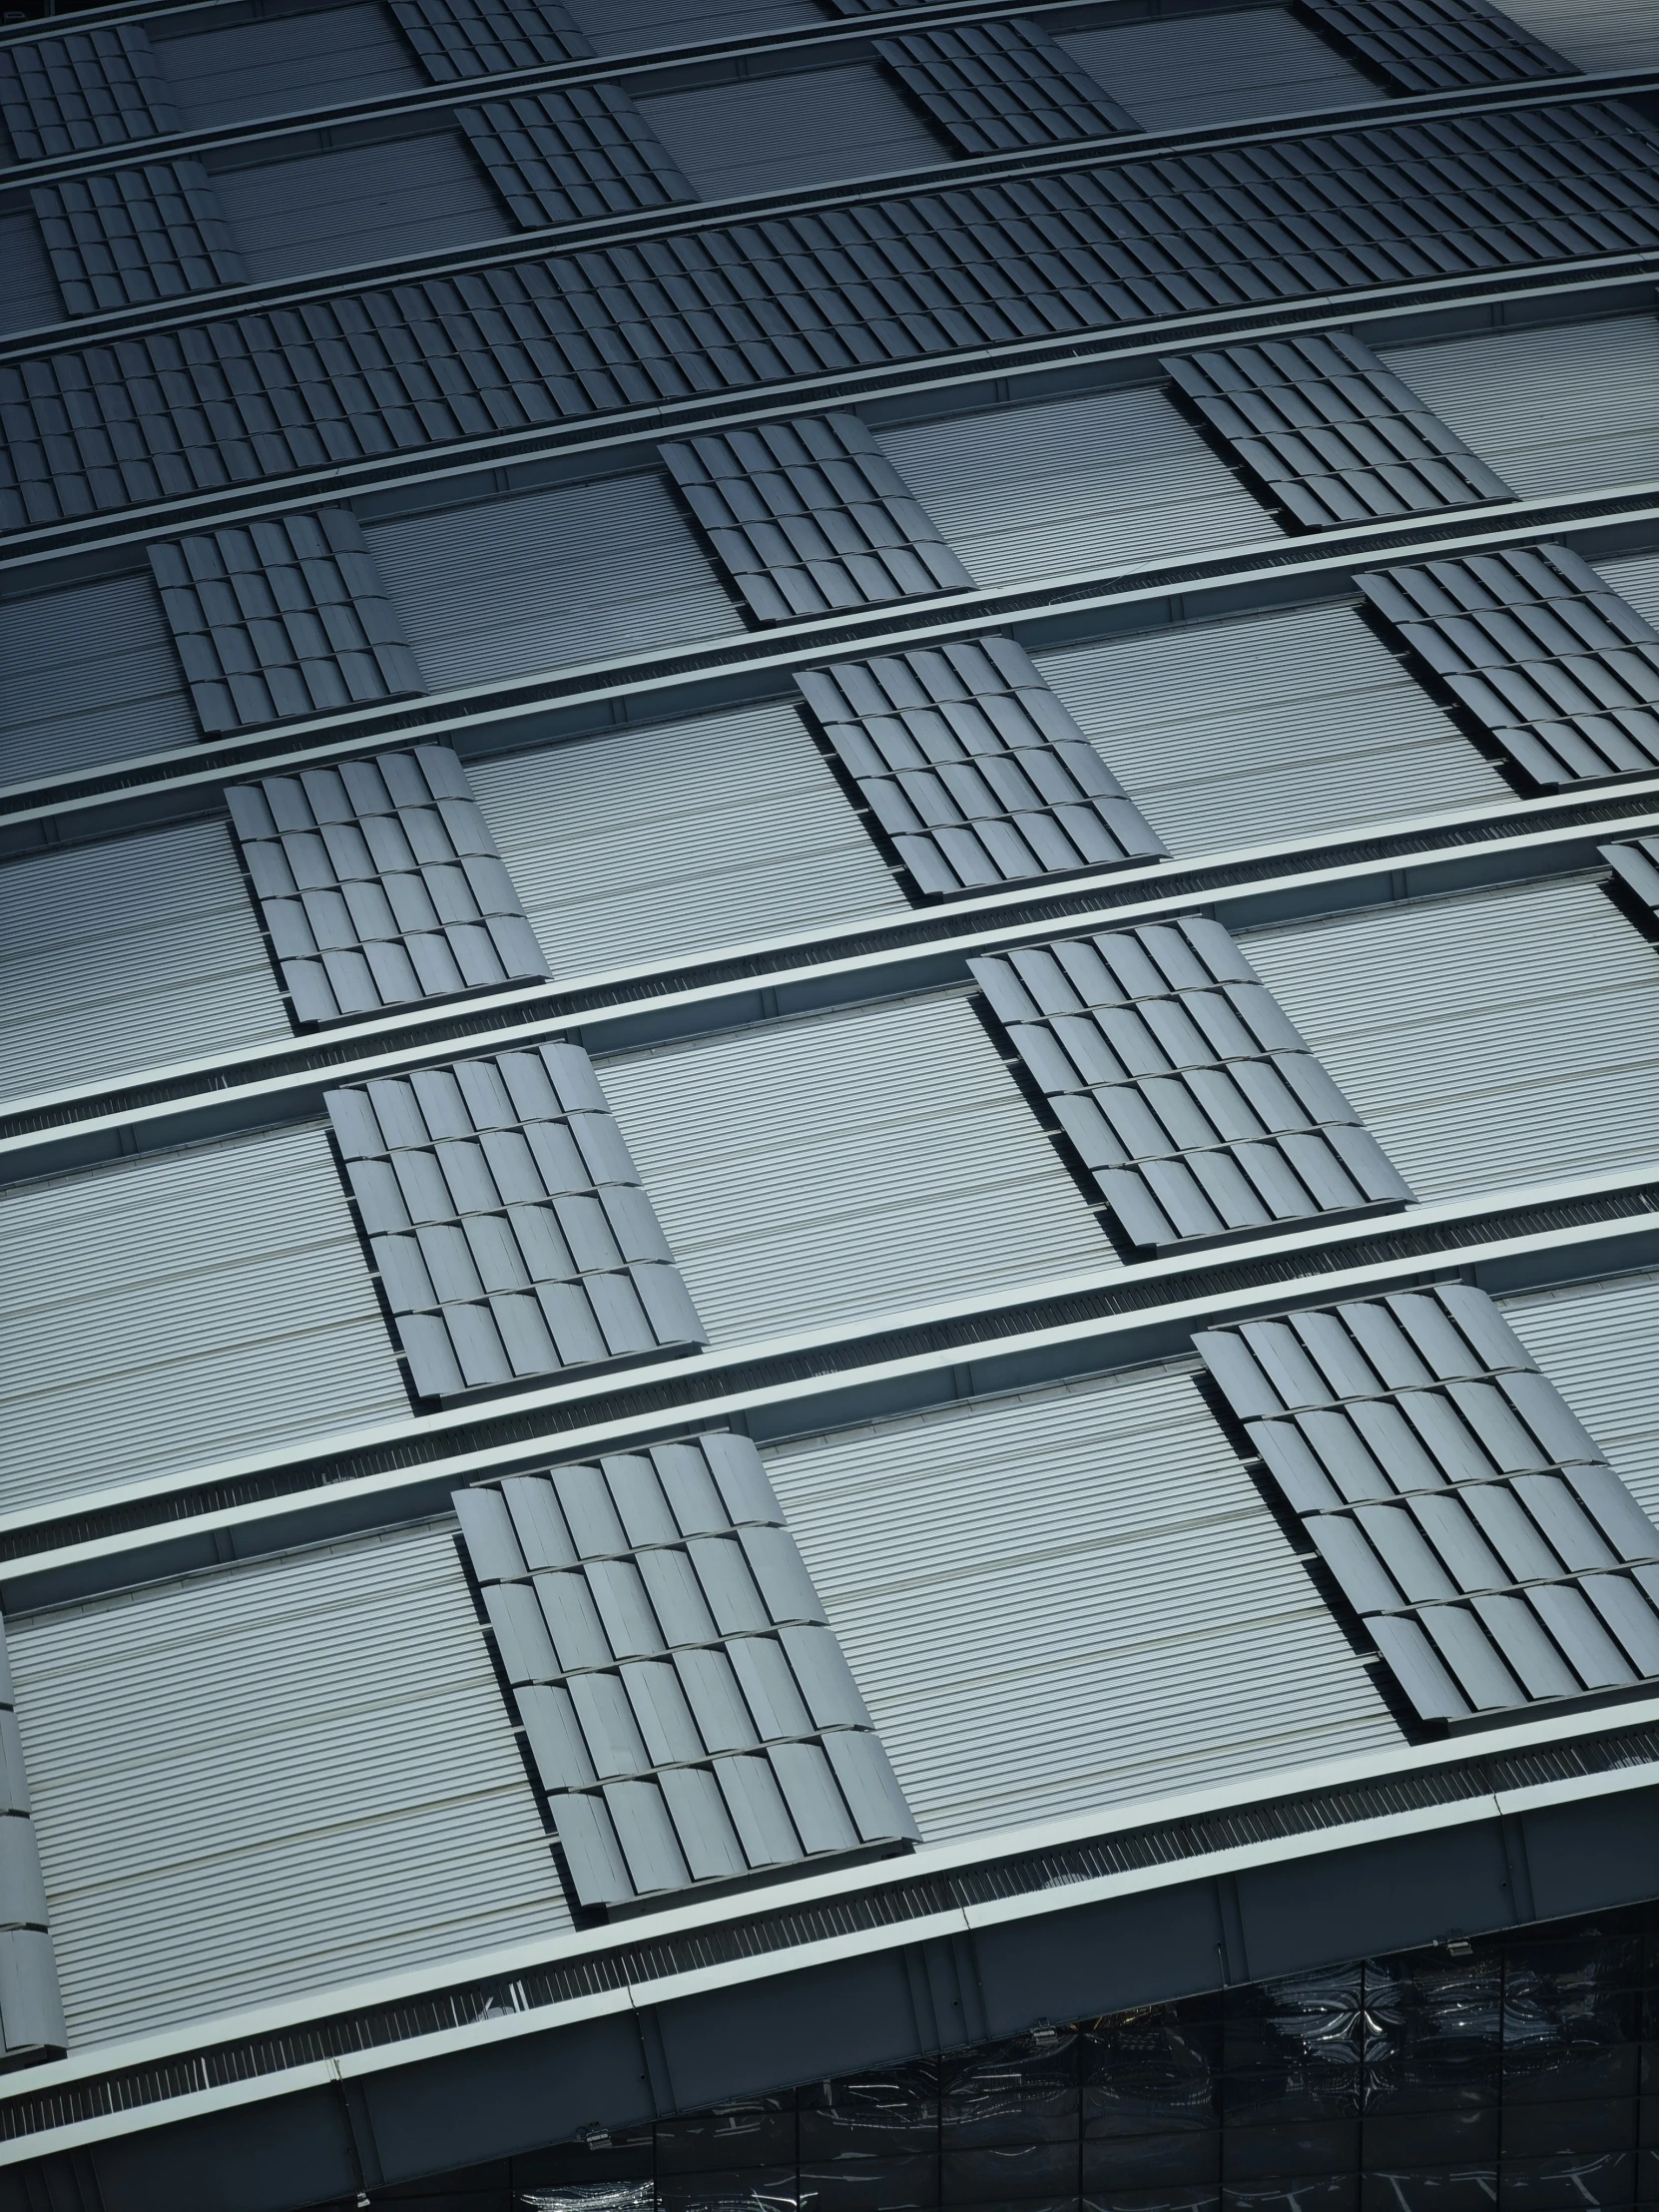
567 156
1559 671
284 618
1329 433
1196 1107
510 1232
973 769
1595 1341
136 235
650 845
818 126
329 1784
809 517
165 1312
380 886
992 87
689 1710
1636 580
1596 34
1467 1517
625 26
86 89
1635 870
31 2004
595 335
87 673
1433 45
486 37
122 957
1189 70
232 71
31 298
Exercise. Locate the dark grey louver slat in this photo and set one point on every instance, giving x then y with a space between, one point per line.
995 87
973 769
507 1222
381 885
487 38
567 156
1489 1549
809 517
136 235
689 1710
282 618
1559 671
87 89
1433 45
1329 434
1197 1109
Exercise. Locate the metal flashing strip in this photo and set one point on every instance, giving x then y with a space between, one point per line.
852 963
488 2003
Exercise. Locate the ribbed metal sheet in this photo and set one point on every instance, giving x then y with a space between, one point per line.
807 129
625 26
1218 68
1078 484
1596 1344
360 204
287 62
1560 409
30 297
664 841
1487 1040
277 1777
1596 34
169 1311
88 674
552 577
1069 1599
1637 581
128 954
1280 726
854 1164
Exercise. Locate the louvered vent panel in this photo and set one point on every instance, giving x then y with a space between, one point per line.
1196 1106
487 38
973 769
282 618
1556 667
566 156
133 236
89 89
381 885
507 1222
805 518
995 87
688 1708
1433 45
1329 434
1489 1550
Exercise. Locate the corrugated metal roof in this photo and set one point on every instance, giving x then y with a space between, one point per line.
1485 1041
1217 67
31 295
624 26
88 674
273 1778
1596 34
294 59
1070 1598
178 1309
1638 581
1280 726
1077 483
852 1163
804 129
659 842
1595 1342
128 954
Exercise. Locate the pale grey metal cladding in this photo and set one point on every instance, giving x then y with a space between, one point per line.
809 517
688 1708
87 89
973 769
567 156
1554 666
995 87
1196 1106
1433 45
507 1221
1327 432
380 885
133 236
282 618
1494 1557
1635 868
31 2006
487 38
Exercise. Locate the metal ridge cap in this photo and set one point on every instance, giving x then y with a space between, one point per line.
1112 151
1182 1309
